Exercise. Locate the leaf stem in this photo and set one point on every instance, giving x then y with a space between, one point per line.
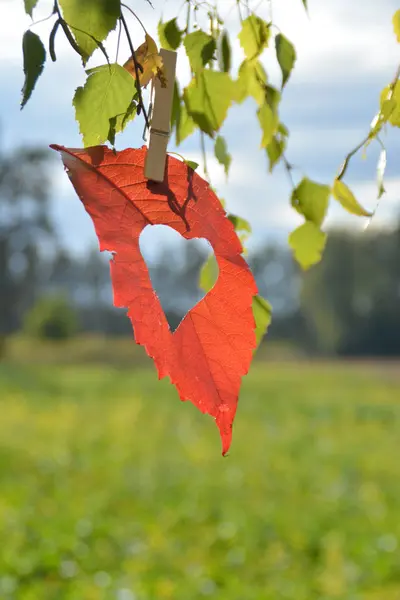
43 20
137 68
349 156
288 168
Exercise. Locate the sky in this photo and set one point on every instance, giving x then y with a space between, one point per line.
346 53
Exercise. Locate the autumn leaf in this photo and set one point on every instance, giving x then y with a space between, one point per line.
262 310
210 351
148 57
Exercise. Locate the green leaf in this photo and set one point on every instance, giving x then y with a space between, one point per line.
308 243
262 311
221 153
269 122
275 149
176 105
345 196
34 59
396 24
192 164
239 223
390 103
180 120
185 126
311 200
381 172
388 106
107 93
119 122
209 274
254 36
224 52
283 130
251 82
200 48
207 99
29 6
305 4
272 97
286 55
169 34
90 20
242 228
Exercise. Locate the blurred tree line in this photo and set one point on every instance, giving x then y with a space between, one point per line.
347 305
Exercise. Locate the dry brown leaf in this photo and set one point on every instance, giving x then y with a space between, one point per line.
148 57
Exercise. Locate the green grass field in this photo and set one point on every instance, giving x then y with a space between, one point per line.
111 488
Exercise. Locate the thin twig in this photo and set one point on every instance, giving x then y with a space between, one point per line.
349 156
188 17
137 68
52 40
371 135
239 11
395 79
67 32
288 168
41 20
118 41
203 151
135 15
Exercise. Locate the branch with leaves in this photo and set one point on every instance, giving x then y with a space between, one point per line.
112 94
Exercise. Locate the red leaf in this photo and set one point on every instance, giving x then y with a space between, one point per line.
212 347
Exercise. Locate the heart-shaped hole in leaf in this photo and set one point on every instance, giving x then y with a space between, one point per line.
174 264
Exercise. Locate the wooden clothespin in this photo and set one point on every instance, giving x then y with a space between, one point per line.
160 124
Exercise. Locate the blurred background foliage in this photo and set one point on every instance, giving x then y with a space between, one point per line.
110 488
